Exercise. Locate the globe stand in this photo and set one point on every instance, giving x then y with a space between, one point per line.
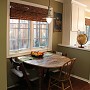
81 46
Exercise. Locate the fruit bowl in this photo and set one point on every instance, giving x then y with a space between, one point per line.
37 54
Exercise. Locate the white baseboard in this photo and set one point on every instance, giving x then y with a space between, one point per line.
83 79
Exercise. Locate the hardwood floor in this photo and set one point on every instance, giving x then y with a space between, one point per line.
76 83
80 85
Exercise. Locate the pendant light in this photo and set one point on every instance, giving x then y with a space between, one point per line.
49 16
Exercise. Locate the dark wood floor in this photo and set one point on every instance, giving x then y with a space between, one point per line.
77 85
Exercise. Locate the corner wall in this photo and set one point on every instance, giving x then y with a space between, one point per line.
3 29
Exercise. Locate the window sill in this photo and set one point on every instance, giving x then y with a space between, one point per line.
27 52
86 48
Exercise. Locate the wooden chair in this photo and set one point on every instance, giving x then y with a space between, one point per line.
61 79
19 70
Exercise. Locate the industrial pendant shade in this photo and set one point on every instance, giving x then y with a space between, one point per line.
49 16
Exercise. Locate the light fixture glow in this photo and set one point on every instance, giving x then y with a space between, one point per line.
49 19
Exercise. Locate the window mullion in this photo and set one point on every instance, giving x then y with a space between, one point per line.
31 35
18 35
29 38
39 34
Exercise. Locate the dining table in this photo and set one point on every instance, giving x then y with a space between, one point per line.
47 62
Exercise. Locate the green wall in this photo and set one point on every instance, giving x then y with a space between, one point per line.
82 64
57 36
3 24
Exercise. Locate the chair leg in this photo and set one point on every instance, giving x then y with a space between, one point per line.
62 86
49 84
70 84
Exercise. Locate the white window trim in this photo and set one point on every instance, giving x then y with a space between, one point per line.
18 53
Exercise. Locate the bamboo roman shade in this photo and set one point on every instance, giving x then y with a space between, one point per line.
87 21
26 12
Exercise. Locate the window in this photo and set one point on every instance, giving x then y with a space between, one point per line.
28 35
20 34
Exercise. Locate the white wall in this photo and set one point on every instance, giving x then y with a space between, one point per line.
66 22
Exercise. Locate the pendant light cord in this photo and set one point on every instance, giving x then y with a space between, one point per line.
49 19
49 3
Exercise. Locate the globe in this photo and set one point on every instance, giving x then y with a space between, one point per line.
82 39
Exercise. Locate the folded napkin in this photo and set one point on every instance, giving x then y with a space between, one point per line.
24 58
47 54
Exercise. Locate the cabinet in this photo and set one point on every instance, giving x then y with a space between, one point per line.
78 17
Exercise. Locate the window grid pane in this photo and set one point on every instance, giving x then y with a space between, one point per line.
19 34
40 34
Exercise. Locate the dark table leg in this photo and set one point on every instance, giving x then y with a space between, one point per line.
41 74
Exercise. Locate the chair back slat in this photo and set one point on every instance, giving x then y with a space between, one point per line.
15 64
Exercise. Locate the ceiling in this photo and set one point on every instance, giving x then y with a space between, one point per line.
86 2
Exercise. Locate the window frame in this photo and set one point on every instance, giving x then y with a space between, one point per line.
25 52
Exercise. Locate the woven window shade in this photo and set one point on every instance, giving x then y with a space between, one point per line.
87 21
26 12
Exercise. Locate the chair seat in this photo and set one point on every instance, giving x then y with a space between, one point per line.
18 72
34 79
56 70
